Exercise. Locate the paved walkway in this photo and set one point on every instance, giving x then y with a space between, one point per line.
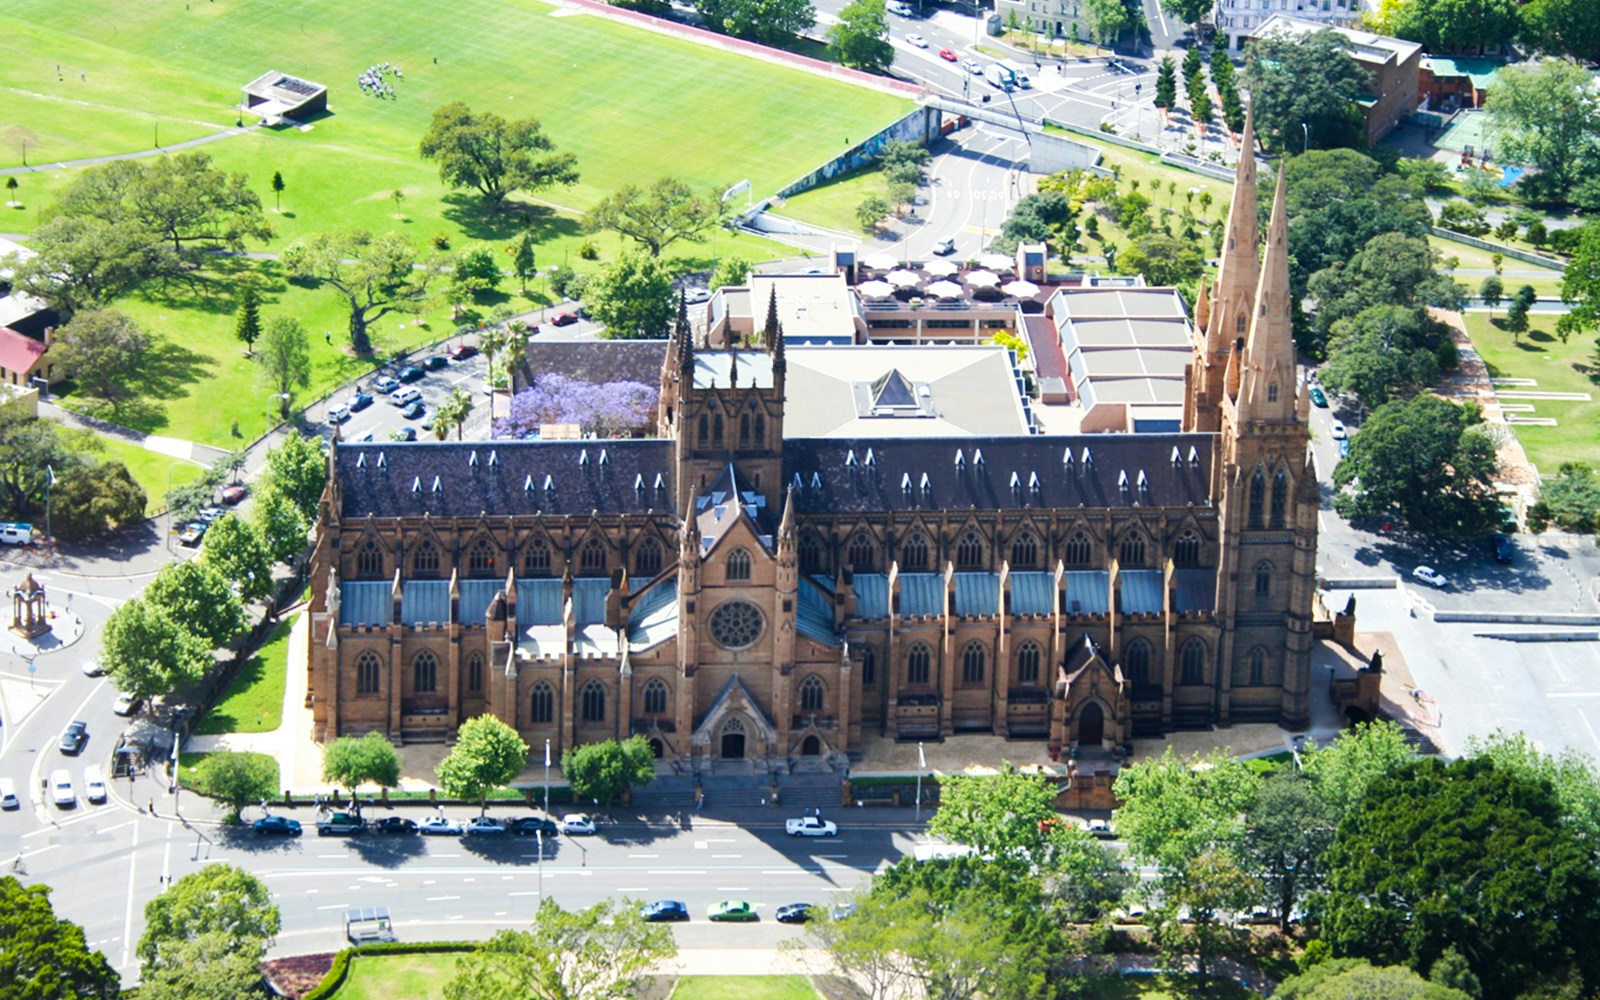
190 451
90 161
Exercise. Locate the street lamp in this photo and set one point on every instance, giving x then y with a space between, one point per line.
546 782
922 765
50 480
1306 145
276 395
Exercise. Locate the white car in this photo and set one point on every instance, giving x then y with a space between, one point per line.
1338 431
439 826
92 668
972 66
94 783
918 41
810 826
61 788
127 704
1427 574
697 294
577 825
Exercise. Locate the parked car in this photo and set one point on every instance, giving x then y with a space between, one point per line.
462 352
413 410
92 668
732 911
527 826
480 825
437 826
94 783
61 792
810 826
577 825
358 401
339 824
383 385
1344 448
1099 828
192 533
411 373
1504 548
211 515
404 434
435 362
395 824
697 294
74 737
1318 396
947 55
127 704
842 911
278 826
8 794
795 913
234 493
1427 574
1338 432
338 414
564 319
917 40
664 911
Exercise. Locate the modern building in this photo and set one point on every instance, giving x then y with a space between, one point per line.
1240 19
1395 66
830 541
279 97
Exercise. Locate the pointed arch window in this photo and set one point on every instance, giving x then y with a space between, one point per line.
739 564
592 562
594 702
969 551
369 561
1136 663
1193 662
1280 498
810 553
1238 323
705 429
655 697
761 431
369 673
536 558
869 666
1079 550
425 561
647 558
1263 592
744 430
862 551
1186 551
973 661
716 430
543 709
475 673
1272 392
483 559
1258 666
424 673
1258 497
1131 551
1024 551
914 554
1028 657
812 694
917 662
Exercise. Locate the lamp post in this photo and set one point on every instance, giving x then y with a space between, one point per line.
50 480
1305 146
922 765
274 396
546 784
538 836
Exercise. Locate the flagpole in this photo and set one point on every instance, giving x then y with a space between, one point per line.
546 798
922 765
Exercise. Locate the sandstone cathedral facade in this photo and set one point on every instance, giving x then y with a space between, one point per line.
733 593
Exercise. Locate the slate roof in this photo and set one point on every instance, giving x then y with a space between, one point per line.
593 361
727 500
460 479
1094 470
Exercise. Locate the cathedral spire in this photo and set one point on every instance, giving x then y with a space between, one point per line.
683 333
1268 389
1202 305
1236 277
786 531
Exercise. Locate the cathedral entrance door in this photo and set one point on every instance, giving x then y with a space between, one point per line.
732 746
810 747
1091 725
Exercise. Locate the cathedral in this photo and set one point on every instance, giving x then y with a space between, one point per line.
730 591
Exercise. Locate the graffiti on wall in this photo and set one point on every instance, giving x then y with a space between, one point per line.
921 125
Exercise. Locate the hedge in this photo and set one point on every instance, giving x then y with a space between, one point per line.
334 980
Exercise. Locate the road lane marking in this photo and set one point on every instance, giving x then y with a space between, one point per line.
733 888
326 856
441 899
727 855
634 888
785 871
127 923
644 855
674 871
531 892
335 906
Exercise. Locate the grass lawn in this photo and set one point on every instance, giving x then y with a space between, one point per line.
187 762
253 703
1516 273
152 470
397 977
744 988
1570 367
834 204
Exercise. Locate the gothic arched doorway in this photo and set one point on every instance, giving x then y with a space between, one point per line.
733 740
657 750
810 747
1091 725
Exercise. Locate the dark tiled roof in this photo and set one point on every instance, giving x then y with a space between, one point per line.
728 499
460 479
594 360
849 476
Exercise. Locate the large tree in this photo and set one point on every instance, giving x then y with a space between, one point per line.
29 449
1458 25
1425 463
81 263
1162 259
633 297
189 203
1312 81
1108 19
147 653
220 899
89 500
374 275
658 216
237 778
1009 817
1466 855
1188 11
603 771
44 957
487 755
1571 774
604 952
766 21
299 469
1287 829
236 551
1383 352
194 593
207 967
860 38
1547 114
1391 269
1564 27
1174 809
1580 284
1344 769
351 761
483 151
285 360
1349 978
101 349
279 523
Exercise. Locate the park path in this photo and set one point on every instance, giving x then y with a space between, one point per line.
90 161
190 451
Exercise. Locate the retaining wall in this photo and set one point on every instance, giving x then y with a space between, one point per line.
1526 256
920 126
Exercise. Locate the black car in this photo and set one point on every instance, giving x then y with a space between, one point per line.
527 826
435 362
410 373
280 826
794 913
666 910
413 410
1504 550
394 824
74 737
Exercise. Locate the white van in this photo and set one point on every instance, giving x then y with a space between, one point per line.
401 397
16 533
338 414
61 788
8 794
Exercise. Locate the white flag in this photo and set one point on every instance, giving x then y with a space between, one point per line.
922 760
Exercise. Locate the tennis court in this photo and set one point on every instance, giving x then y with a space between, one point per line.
1468 130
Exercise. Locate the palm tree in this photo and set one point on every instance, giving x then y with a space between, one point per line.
452 413
507 341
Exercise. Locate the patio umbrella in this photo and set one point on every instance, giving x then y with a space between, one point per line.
876 289
1020 289
940 268
903 279
983 279
996 262
880 261
944 290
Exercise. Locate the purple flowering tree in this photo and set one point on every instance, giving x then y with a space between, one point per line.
610 409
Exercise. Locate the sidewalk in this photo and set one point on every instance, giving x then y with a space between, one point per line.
204 454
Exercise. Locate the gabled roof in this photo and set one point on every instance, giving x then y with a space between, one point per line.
18 352
728 500
1085 655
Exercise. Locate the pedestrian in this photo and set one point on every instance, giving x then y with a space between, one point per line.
328 336
152 807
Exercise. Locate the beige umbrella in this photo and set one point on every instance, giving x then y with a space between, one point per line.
996 262
876 289
1020 289
904 279
880 261
940 268
983 279
944 290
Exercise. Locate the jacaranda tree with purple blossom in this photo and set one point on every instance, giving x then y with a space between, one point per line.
609 409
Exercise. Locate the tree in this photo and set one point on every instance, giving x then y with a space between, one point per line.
603 409
285 359
904 162
298 469
1517 312
217 899
767 21
999 816
731 270
475 270
1382 353
605 952
1465 855
523 262
871 212
1287 829
277 190
1563 27
181 201
1162 259
860 38
11 191
82 263
659 216
1453 971
205 968
483 151
1174 809
248 326
633 297
1391 269
1108 19
1580 284
1200 108
452 414
488 754
1209 886
1492 292
864 947
1194 73
89 500
29 449
1166 84
147 653
352 761
237 779
1311 80
374 275
1547 114
1571 501
101 349
1341 978
603 771
237 552
44 956
1571 774
1188 11
1458 25
1425 463
195 594
279 523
